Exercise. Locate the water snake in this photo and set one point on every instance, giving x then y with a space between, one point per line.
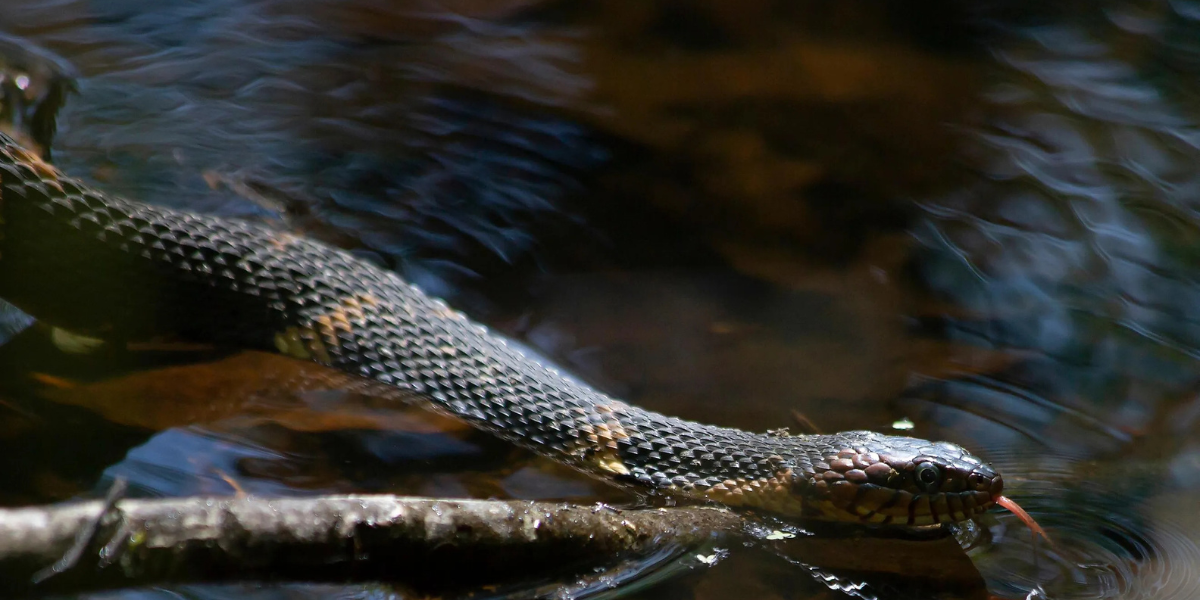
92 263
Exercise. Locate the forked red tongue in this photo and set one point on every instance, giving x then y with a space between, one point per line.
1014 508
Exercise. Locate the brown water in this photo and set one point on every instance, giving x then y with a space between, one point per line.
982 220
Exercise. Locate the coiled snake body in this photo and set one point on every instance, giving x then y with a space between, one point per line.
88 262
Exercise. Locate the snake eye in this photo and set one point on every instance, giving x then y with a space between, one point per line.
928 476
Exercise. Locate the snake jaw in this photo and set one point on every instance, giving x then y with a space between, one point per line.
907 482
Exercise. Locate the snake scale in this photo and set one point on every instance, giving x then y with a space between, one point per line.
91 263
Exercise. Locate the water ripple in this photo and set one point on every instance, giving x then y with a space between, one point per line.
1097 554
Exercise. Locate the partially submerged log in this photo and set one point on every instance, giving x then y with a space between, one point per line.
425 544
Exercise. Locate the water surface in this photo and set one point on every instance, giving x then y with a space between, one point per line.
978 220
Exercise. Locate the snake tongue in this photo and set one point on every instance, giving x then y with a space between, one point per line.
1014 508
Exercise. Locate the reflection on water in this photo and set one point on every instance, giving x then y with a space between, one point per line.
1076 241
983 219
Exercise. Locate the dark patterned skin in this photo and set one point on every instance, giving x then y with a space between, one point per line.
114 268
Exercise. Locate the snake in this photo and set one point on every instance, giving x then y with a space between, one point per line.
92 263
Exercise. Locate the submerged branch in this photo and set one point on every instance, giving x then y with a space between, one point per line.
422 543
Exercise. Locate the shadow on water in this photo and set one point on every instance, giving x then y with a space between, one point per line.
980 222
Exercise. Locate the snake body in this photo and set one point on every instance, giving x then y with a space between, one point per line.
88 262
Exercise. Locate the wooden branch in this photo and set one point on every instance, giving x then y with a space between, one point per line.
422 543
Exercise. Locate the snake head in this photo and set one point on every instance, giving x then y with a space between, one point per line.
873 478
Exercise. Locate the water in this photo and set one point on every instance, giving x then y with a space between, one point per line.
982 219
